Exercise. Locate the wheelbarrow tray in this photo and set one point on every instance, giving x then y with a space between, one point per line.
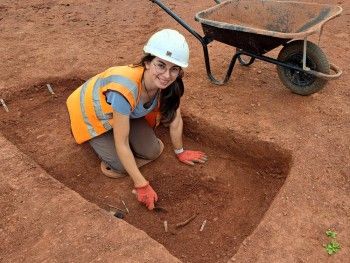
261 25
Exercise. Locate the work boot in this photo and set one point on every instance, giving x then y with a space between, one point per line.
109 172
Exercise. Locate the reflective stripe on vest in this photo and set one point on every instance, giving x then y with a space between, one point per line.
99 83
91 129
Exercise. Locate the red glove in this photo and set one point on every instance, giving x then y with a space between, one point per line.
191 157
146 195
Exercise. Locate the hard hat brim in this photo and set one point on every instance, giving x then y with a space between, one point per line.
164 57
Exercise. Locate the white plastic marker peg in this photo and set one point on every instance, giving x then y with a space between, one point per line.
165 226
203 225
126 208
50 89
4 105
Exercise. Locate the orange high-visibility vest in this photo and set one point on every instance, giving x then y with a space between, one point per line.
91 115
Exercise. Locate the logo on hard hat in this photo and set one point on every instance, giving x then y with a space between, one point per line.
168 53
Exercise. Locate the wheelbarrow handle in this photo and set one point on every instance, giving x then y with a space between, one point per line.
204 41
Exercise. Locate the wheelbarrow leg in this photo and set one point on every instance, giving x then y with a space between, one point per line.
229 70
244 62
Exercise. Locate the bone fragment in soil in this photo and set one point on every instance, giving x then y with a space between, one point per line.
181 224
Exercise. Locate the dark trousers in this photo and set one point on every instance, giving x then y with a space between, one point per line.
142 139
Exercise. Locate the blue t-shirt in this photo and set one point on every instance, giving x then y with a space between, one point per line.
121 105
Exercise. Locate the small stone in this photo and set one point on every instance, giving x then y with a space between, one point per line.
119 215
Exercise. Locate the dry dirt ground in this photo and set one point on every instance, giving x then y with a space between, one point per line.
278 174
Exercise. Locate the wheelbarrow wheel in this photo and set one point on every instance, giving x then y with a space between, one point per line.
300 82
245 60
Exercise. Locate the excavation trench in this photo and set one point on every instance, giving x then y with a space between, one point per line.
232 191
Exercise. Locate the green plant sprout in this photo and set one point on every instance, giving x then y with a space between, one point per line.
332 247
331 233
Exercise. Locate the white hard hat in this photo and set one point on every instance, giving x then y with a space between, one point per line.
170 45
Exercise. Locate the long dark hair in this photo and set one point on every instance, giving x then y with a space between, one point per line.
170 96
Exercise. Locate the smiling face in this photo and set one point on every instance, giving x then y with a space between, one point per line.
162 73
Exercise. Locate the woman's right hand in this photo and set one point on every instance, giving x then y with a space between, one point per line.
146 195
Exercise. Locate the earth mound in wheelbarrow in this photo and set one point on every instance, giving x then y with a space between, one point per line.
260 26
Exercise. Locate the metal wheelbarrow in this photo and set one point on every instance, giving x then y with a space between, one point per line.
255 27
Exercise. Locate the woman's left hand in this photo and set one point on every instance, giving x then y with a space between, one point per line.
191 157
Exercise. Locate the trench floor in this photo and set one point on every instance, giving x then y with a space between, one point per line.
230 192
